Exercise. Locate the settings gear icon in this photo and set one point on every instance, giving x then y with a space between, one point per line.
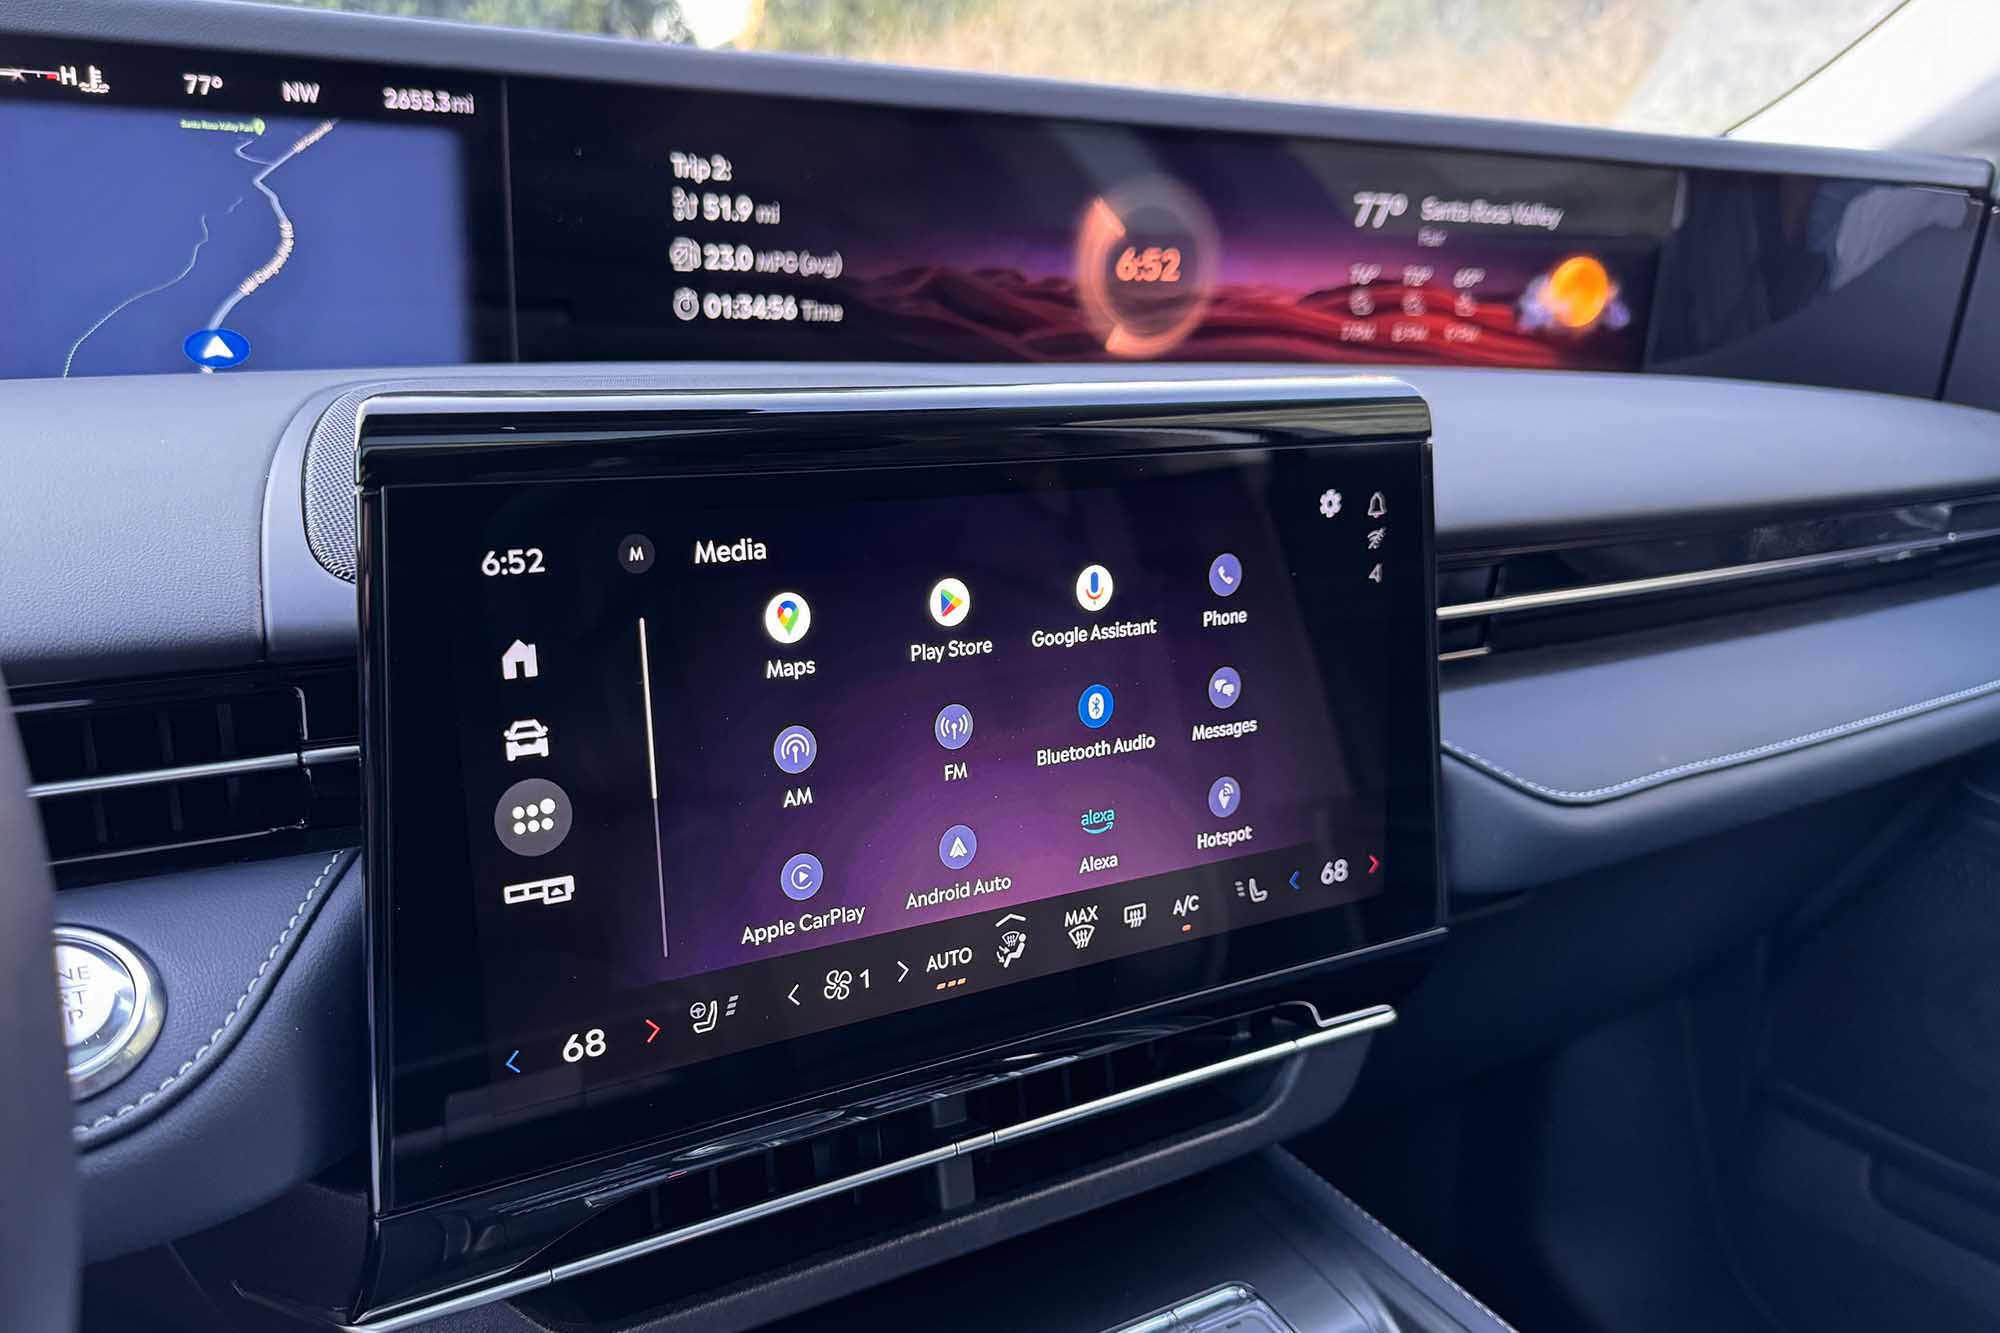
1329 503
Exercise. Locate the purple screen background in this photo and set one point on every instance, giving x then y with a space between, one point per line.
880 799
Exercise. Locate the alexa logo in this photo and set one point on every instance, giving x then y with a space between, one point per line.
1098 821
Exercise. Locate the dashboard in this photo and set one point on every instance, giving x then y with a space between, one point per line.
874 669
207 211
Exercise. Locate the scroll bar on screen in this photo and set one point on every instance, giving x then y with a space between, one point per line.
653 779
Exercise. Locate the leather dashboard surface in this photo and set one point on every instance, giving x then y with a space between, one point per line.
1692 730
1564 760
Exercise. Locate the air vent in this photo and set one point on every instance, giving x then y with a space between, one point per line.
720 1223
147 776
1496 600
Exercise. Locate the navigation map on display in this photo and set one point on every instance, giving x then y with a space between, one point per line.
200 240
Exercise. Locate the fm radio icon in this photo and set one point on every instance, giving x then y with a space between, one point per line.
953 726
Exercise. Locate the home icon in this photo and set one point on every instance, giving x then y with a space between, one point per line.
519 663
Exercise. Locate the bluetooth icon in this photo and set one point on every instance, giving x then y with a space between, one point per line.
1329 503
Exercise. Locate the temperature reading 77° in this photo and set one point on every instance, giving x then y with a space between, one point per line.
1372 208
201 85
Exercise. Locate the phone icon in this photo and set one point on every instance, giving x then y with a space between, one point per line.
1225 574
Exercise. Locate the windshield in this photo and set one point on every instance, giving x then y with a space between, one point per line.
1679 66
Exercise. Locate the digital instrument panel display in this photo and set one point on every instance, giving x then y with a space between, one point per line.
719 226
209 213
724 787
203 213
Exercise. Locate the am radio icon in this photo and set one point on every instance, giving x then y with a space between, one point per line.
795 749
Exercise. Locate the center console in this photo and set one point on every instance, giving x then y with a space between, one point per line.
775 796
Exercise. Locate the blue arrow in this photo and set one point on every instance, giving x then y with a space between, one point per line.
1294 881
510 1062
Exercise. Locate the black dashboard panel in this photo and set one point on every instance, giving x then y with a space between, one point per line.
1815 280
520 199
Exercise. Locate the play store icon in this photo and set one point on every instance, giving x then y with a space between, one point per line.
951 602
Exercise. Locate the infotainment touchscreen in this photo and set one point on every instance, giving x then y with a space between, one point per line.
797 772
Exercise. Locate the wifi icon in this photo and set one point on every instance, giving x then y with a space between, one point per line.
795 749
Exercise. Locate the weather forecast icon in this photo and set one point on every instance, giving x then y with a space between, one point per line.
1576 295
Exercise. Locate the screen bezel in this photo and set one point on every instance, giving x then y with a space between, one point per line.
781 432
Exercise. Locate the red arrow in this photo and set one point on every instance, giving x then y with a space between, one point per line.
654 1033
1374 863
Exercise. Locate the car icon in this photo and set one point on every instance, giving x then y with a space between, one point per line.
526 738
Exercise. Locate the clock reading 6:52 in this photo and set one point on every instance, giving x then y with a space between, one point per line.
513 560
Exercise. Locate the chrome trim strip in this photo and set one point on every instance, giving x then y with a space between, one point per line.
1069 1115
1331 1030
329 754
459 1304
1346 1025
1251 393
755 1212
219 768
155 777
1235 1293
1796 564
1465 654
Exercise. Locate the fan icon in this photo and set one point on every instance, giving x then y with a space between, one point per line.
1329 503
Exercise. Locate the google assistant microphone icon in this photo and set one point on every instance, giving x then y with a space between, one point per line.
1093 588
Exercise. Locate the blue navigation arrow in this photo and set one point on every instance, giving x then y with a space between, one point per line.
216 349
1294 881
510 1062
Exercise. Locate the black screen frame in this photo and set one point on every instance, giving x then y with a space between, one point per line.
1223 974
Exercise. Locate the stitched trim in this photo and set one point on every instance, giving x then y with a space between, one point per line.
1407 1248
249 989
1695 766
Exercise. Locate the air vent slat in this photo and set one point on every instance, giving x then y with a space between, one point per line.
151 775
1567 591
